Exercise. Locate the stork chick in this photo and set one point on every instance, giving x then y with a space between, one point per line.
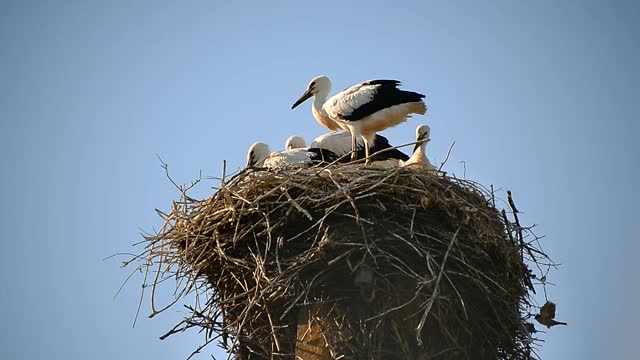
295 142
260 155
419 157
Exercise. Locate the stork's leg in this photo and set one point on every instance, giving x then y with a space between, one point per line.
366 150
354 152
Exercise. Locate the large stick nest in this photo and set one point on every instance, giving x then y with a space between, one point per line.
349 262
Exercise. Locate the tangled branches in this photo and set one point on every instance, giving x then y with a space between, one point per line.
349 262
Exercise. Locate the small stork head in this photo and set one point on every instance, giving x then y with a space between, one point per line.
423 133
318 85
419 157
258 152
295 142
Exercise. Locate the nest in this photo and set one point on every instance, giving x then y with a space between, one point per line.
349 262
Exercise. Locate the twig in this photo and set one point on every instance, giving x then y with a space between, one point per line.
436 289
447 157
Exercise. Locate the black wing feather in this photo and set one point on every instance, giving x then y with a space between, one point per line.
387 95
380 143
322 156
383 82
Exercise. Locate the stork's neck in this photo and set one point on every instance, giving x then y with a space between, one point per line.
319 100
320 114
316 107
419 155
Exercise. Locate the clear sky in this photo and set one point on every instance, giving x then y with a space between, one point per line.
538 96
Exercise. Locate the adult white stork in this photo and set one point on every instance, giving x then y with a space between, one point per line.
295 142
339 142
362 109
419 157
260 155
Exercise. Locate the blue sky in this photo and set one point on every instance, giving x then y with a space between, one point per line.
538 97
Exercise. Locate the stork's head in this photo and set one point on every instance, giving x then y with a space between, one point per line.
258 152
423 133
295 142
318 85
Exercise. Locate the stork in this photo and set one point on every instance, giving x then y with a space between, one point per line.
419 157
260 155
295 142
362 109
339 142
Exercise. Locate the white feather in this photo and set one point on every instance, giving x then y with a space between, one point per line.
289 158
345 102
260 155
257 153
339 142
295 142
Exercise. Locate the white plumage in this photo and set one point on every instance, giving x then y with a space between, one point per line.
257 154
295 158
295 142
337 141
419 157
350 99
260 155
362 109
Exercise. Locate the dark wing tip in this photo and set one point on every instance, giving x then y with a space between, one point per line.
394 84
383 82
322 155
380 143
412 95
